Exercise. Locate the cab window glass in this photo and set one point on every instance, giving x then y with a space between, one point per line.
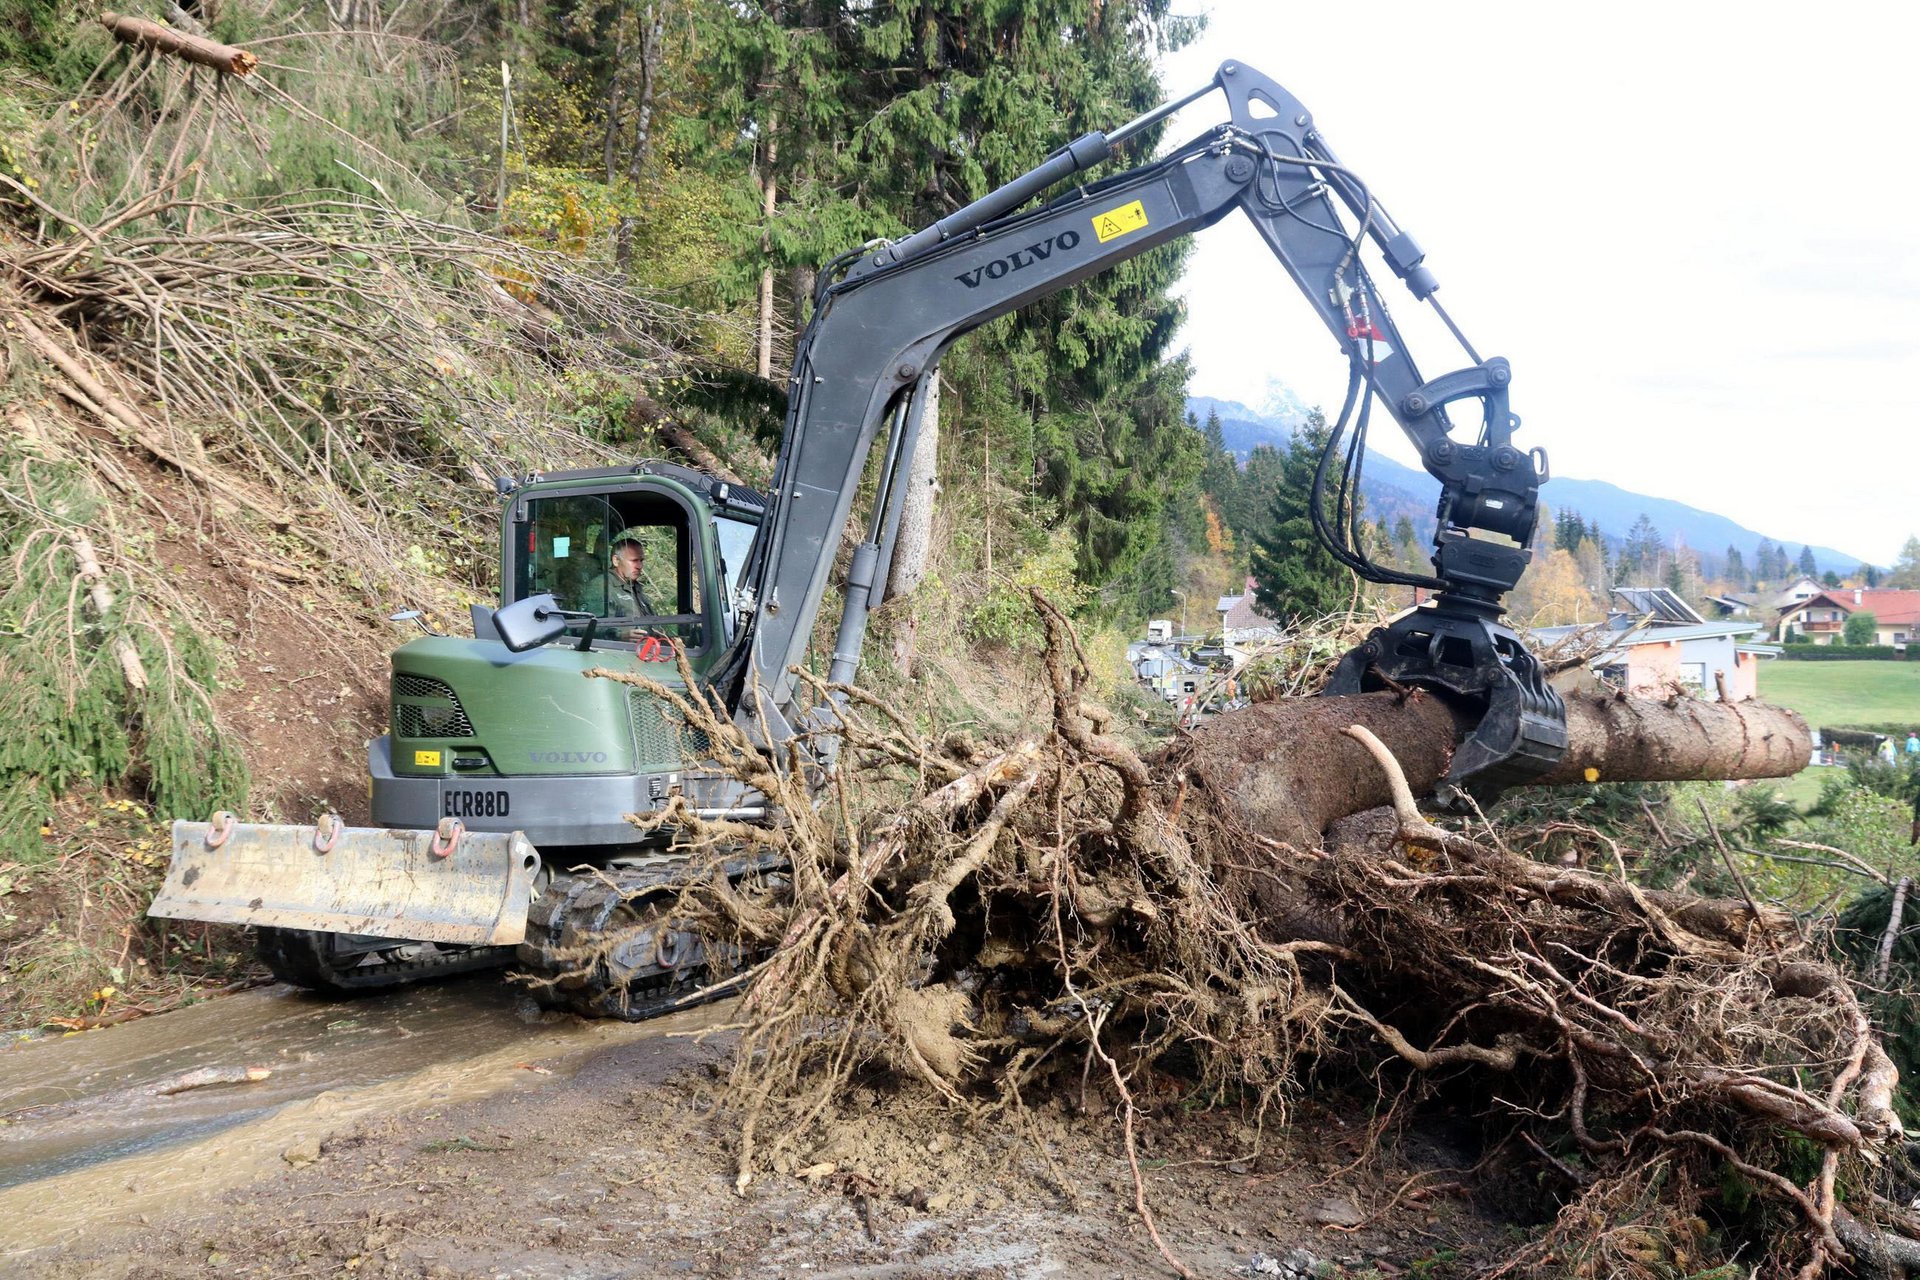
736 537
627 558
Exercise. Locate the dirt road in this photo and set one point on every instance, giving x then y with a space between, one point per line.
454 1131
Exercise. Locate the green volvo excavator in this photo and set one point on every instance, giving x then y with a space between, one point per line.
502 792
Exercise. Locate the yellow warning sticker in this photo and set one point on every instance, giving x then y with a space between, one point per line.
426 757
1115 223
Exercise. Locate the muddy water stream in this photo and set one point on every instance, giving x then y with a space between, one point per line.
86 1133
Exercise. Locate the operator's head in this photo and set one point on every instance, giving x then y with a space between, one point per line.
628 557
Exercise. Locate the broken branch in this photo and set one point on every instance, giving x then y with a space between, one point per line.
199 50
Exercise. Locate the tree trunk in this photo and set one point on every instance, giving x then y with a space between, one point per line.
916 508
1287 770
653 29
769 191
800 282
616 82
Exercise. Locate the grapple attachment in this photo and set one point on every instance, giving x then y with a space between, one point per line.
447 885
1478 664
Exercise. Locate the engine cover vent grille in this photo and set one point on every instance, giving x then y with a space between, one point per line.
428 708
658 735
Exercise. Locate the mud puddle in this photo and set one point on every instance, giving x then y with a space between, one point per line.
88 1129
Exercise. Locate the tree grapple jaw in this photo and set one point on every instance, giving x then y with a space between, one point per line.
1486 674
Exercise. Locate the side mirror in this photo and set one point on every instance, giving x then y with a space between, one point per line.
415 617
530 623
482 620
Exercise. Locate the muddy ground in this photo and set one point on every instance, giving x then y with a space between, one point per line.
460 1133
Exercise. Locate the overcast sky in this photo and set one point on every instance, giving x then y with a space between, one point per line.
1691 227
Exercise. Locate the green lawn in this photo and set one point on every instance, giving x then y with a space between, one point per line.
1803 788
1884 696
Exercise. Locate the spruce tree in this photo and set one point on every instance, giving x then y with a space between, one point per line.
1569 530
874 120
1641 558
1806 564
1295 578
1253 496
1220 478
1736 568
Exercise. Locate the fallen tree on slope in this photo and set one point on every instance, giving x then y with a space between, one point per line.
1263 896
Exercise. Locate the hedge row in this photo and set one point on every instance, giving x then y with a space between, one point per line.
1808 652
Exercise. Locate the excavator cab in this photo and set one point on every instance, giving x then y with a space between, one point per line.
639 564
631 559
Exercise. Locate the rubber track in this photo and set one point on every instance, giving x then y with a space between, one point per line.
302 957
599 995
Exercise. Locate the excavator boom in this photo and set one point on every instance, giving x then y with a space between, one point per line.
881 326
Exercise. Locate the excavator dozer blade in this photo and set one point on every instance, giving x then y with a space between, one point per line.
369 880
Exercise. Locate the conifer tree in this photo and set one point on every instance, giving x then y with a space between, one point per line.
1296 579
1641 558
1906 570
1736 568
1221 476
1569 530
1806 564
873 120
1253 495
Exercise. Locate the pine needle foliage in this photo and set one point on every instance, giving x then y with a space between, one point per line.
1295 577
74 716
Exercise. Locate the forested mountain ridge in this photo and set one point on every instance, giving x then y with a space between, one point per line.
1393 489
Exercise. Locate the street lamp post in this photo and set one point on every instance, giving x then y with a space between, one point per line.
1183 613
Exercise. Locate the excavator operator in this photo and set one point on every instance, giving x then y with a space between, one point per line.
624 595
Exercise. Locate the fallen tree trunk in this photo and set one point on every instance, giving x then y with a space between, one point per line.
142 34
1289 772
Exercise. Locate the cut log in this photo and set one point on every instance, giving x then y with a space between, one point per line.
1288 770
198 50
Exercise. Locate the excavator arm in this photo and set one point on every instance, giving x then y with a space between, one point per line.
884 317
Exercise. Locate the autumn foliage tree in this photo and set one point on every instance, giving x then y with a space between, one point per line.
1553 592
